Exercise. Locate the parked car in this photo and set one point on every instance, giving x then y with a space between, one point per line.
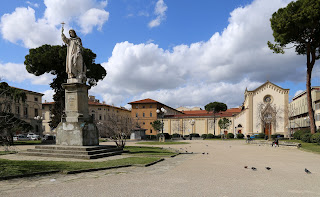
35 137
30 135
20 137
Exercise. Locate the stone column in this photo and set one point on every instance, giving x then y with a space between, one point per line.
76 127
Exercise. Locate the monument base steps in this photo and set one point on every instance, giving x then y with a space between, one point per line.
77 152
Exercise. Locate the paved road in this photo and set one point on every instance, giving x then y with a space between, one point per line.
221 172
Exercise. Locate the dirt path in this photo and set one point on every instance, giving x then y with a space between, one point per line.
221 172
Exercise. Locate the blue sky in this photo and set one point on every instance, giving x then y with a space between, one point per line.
179 52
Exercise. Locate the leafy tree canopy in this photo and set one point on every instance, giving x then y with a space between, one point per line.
156 125
216 107
52 59
297 24
224 123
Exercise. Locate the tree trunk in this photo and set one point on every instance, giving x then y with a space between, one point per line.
310 64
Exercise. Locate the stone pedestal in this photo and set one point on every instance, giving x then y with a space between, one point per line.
76 127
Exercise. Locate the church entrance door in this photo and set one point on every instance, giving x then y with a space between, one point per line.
267 129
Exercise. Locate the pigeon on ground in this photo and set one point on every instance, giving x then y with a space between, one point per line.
206 144
253 168
246 167
203 153
307 171
207 153
268 168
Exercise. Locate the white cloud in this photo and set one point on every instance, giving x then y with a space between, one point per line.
18 73
33 4
217 69
23 26
91 18
298 92
160 11
48 96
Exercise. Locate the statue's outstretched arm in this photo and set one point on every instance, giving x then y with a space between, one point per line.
64 38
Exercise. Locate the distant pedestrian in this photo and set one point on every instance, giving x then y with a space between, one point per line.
275 142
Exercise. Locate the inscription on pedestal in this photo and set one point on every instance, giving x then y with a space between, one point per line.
71 103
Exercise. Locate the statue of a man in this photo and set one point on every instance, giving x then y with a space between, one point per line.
75 66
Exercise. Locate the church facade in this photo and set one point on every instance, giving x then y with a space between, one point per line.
264 110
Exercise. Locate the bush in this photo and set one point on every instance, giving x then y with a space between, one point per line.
274 136
297 135
151 137
240 136
195 135
261 135
204 136
210 136
218 136
315 138
306 137
176 135
230 135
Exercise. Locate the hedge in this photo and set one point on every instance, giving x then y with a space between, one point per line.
230 135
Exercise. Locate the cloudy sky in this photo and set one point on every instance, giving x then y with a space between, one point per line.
181 52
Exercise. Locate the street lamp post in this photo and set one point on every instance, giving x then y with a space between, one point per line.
39 120
161 112
192 122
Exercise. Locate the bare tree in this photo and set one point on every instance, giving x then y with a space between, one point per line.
269 115
117 128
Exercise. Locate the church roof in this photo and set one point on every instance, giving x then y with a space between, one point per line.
263 85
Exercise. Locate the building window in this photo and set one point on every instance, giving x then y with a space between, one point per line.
136 115
100 117
99 108
143 123
93 116
143 106
36 112
150 130
18 110
143 115
25 113
36 99
151 123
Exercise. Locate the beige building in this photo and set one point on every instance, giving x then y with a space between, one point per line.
144 112
298 110
264 110
29 111
199 121
100 112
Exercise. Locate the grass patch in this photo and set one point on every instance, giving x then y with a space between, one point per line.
7 152
162 143
12 167
29 142
310 147
148 151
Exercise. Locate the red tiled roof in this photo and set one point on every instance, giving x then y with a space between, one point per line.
204 113
92 103
144 101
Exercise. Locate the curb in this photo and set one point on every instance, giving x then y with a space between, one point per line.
97 169
175 155
28 175
152 163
